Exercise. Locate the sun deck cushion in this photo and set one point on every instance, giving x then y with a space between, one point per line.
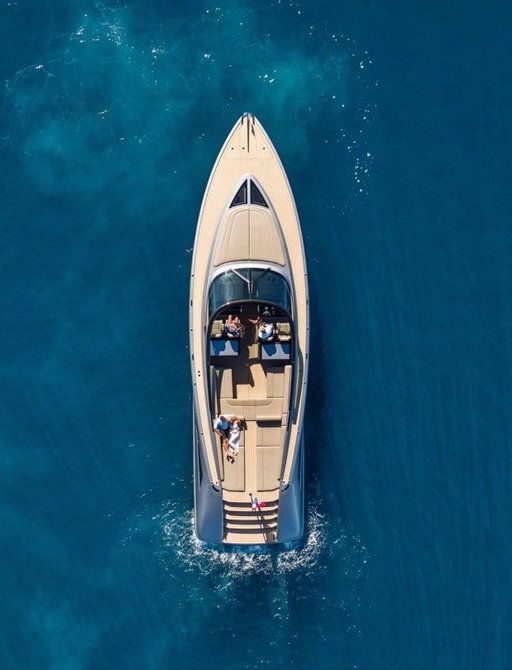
263 409
279 382
268 467
234 473
275 382
264 237
269 454
268 433
248 234
224 382
226 388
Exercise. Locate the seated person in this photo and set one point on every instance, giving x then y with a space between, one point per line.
232 327
221 427
232 447
265 330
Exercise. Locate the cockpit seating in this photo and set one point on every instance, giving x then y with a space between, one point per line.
283 331
217 328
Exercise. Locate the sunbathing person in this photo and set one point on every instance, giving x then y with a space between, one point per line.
233 442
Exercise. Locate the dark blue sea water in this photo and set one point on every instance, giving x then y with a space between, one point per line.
393 122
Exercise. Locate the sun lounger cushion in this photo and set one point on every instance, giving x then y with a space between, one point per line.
284 331
234 473
218 328
262 409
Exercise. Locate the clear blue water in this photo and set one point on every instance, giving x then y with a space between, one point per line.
393 121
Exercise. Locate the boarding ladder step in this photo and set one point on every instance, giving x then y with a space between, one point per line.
241 519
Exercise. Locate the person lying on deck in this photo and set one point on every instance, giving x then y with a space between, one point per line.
233 442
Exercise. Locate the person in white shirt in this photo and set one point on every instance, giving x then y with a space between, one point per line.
265 330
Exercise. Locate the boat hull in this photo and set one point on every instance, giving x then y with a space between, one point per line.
265 383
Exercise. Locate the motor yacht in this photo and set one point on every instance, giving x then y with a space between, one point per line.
249 339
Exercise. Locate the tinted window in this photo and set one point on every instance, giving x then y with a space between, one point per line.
268 286
241 196
227 288
256 196
249 284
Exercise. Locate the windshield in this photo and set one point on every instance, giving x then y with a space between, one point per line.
249 284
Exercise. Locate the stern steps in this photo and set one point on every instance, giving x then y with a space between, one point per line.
243 525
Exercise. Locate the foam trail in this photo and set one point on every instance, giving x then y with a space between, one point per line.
234 563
